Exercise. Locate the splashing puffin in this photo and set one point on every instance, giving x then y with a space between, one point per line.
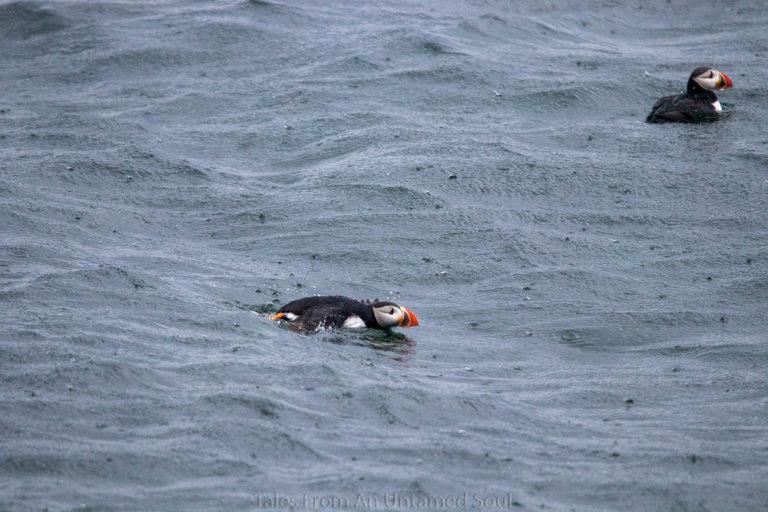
698 103
334 311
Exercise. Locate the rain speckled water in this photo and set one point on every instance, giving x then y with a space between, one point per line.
592 289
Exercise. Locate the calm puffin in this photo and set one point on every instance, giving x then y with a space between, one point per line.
329 312
698 103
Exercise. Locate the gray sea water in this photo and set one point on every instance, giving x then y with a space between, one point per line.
592 290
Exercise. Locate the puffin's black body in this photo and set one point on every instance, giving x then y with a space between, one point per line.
696 104
335 311
684 109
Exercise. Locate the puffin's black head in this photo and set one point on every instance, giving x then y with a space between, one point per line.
389 314
708 79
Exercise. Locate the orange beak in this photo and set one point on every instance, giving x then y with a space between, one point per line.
276 316
409 318
724 82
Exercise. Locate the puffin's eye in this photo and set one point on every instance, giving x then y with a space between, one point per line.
711 74
391 311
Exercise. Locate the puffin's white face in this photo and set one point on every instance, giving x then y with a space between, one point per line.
713 80
389 315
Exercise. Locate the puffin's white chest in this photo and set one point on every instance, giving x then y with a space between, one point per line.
716 106
354 322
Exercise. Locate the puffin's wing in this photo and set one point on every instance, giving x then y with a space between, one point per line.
322 317
680 109
671 116
661 102
299 306
669 109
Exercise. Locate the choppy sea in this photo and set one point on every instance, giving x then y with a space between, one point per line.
592 289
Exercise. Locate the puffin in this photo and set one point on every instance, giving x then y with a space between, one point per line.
334 311
698 103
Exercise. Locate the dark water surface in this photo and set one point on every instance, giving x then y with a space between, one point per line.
593 290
